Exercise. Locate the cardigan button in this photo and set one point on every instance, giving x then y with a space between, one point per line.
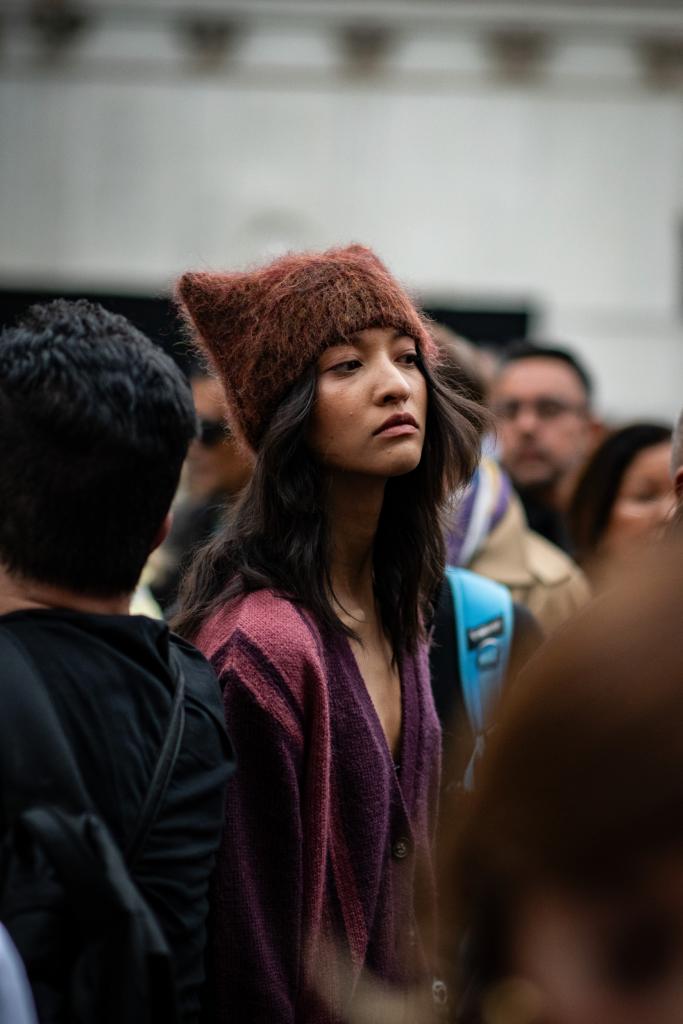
401 848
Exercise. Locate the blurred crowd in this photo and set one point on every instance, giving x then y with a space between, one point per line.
394 732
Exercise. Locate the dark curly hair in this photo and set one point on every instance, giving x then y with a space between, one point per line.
95 422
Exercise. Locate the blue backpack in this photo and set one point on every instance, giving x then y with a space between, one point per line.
483 635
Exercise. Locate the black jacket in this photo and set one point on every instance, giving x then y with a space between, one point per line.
111 685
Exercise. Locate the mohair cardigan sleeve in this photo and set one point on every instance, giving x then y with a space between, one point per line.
312 816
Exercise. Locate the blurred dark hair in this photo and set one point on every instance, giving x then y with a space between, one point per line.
277 536
597 488
95 422
581 783
460 366
518 350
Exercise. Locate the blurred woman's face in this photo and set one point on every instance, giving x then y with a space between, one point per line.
370 407
644 501
215 464
601 960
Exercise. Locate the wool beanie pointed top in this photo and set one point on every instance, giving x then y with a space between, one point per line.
262 328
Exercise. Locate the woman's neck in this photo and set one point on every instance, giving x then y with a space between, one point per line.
354 505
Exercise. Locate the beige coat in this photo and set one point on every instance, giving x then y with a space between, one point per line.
537 572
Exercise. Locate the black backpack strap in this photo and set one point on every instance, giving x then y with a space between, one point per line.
444 665
166 760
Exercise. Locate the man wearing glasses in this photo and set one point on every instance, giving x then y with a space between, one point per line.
542 400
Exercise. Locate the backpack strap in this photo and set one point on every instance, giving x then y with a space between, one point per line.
166 760
44 760
483 636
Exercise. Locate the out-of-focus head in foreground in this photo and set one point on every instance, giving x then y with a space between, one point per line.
563 875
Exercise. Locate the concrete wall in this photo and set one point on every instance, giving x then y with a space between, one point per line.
566 193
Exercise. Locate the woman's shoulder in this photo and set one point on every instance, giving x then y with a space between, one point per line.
264 626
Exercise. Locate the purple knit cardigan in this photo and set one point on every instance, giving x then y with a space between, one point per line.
326 865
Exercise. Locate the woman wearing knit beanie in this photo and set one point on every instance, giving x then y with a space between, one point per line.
311 606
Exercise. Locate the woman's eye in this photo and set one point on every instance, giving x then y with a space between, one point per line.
645 497
347 366
409 358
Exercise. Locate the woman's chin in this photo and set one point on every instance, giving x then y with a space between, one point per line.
363 464
402 463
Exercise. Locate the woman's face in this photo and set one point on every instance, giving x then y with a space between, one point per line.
215 464
644 501
370 408
604 960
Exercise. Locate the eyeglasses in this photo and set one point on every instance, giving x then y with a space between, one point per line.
211 432
543 408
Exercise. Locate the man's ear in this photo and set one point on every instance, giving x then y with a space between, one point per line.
163 532
597 432
678 486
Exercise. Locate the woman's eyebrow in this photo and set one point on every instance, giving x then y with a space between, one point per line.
342 342
334 350
357 339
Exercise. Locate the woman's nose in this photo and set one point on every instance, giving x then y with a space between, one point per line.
392 385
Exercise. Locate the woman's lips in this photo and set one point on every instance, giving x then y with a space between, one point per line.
395 426
397 430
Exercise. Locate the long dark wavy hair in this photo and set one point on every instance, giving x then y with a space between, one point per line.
277 534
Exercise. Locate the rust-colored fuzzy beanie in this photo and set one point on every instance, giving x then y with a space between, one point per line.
262 328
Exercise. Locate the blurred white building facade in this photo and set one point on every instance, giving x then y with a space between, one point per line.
493 154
